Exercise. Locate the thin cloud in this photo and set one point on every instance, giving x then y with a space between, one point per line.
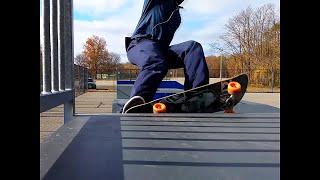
98 7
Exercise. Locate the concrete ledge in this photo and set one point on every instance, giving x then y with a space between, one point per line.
164 147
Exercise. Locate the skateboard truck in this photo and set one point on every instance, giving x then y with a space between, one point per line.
233 89
230 105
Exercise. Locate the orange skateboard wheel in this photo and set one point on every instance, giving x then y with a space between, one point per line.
159 108
234 87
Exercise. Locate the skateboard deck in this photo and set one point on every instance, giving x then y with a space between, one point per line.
208 98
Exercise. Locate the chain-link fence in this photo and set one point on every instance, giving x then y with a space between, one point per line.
260 80
81 75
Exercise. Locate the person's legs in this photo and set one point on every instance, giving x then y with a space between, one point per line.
190 56
148 56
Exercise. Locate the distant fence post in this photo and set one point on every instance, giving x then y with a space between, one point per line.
272 80
85 79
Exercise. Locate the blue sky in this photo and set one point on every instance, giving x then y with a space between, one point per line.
202 20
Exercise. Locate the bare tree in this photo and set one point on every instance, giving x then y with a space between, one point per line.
114 59
80 60
253 38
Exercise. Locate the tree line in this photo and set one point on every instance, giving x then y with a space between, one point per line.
252 40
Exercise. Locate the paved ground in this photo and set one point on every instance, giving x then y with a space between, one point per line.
271 99
50 121
90 102
101 102
95 102
106 84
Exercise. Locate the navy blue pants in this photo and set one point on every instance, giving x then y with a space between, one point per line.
154 60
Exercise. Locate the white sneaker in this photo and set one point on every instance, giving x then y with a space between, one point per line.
135 100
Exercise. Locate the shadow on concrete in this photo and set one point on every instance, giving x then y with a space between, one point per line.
94 153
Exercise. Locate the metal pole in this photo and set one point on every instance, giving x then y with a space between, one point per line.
68 45
61 45
54 46
46 59
272 81
220 67
85 79
69 109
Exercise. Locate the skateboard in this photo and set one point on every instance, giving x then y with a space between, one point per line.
210 98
